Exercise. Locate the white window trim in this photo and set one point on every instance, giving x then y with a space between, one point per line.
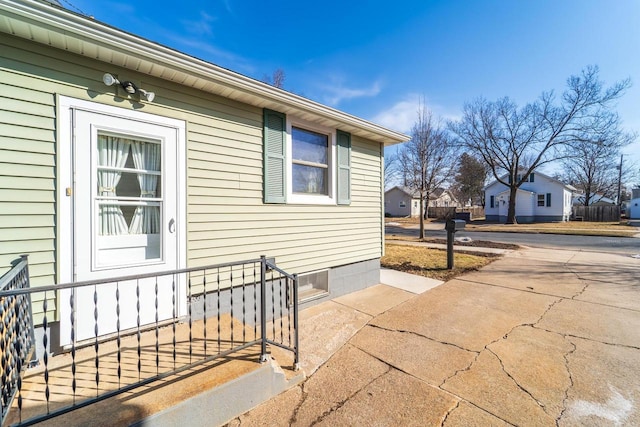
312 199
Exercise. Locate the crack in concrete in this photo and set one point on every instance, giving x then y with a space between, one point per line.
631 347
571 383
444 419
493 285
560 299
340 404
504 369
486 347
303 398
403 331
468 368
577 275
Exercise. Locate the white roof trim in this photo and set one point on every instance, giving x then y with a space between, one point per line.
64 29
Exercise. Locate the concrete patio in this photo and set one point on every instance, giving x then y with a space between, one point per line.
538 337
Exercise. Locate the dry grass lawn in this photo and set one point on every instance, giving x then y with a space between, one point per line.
431 263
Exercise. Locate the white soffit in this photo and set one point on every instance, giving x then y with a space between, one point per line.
60 28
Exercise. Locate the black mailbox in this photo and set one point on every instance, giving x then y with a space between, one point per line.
454 225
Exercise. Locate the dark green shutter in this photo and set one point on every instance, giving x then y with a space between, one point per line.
344 168
491 202
531 176
548 199
274 157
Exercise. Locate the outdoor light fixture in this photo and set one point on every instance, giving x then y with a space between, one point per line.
147 95
128 86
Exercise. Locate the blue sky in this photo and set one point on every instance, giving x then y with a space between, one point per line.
377 59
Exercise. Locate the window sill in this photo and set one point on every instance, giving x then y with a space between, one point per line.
303 199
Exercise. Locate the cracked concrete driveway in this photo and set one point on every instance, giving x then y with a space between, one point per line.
540 337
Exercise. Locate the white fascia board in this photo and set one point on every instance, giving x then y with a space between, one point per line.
75 26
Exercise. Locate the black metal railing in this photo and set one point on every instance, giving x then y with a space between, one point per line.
17 341
125 332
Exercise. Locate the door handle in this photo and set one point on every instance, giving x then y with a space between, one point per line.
172 226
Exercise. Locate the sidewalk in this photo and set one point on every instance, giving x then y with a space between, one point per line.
539 337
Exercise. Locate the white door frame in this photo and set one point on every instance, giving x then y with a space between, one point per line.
66 181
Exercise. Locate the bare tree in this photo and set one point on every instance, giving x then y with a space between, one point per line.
276 79
391 169
593 166
428 160
514 141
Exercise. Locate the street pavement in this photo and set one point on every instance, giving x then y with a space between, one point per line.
538 338
621 245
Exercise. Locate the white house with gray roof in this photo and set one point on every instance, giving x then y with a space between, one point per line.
539 199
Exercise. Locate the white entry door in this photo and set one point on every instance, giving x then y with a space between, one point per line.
126 210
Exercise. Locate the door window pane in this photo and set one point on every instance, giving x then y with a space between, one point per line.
128 200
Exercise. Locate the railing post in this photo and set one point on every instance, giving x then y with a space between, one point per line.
296 354
33 357
263 308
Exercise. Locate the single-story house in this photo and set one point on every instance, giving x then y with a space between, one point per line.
594 200
539 199
402 201
443 198
634 204
120 156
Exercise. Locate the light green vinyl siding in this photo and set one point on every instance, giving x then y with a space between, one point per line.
227 219
27 176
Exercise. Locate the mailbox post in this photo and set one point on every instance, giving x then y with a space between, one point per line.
452 226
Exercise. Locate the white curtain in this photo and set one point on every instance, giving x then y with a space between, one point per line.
146 219
112 152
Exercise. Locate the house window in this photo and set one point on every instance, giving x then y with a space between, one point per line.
541 199
415 203
403 204
310 161
304 162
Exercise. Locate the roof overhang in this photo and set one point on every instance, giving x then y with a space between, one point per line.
63 29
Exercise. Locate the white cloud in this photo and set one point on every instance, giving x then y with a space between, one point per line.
337 93
403 114
201 26
227 5
212 54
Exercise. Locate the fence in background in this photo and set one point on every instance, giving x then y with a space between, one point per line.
604 213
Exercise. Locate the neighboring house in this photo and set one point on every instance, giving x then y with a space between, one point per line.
402 201
540 199
120 156
442 198
594 200
634 204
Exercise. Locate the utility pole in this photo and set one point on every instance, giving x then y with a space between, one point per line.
619 202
